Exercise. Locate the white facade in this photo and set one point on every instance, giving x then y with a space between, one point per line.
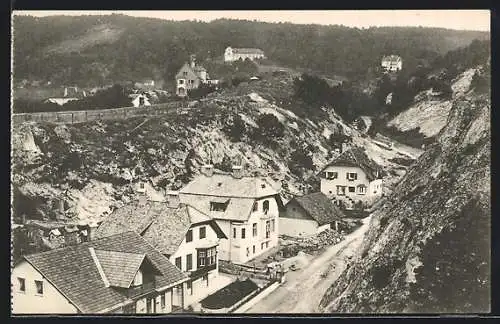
29 301
140 100
249 239
392 64
205 282
60 101
300 227
231 55
336 185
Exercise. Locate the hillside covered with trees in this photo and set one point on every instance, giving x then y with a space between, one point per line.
92 50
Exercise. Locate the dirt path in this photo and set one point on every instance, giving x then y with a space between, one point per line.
303 289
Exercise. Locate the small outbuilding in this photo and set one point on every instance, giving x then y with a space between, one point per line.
309 215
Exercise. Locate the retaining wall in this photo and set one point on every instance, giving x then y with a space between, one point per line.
81 116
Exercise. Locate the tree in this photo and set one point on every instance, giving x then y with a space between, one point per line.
270 127
299 161
235 128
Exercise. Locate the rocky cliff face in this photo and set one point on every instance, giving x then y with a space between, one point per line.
427 249
95 166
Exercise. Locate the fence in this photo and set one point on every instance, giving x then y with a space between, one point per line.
82 116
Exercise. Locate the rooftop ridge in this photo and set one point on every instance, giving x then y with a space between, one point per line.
99 266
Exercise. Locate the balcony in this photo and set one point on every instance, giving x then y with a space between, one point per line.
143 289
202 271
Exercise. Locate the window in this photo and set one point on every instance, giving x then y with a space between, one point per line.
331 175
181 81
352 189
189 286
39 287
184 73
268 229
141 185
203 232
254 229
262 246
340 190
330 192
272 225
255 206
201 258
352 176
163 301
254 249
265 206
189 236
242 233
361 189
178 263
217 206
234 232
22 284
211 255
267 245
189 262
190 81
248 251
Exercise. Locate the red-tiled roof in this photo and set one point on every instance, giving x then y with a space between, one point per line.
74 273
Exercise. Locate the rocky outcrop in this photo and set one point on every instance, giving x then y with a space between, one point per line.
448 186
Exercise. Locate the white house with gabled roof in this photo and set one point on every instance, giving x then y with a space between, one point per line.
246 209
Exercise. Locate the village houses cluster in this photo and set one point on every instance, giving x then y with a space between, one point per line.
163 255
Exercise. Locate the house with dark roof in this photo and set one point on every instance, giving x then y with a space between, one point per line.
235 54
352 180
309 215
121 273
186 236
245 207
191 76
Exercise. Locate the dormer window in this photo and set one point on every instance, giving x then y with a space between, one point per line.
184 73
263 186
189 236
218 206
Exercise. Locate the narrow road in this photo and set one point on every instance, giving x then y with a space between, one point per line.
303 289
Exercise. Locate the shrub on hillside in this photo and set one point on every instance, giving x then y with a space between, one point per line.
299 161
235 128
269 128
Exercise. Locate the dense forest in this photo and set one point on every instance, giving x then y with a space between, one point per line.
92 50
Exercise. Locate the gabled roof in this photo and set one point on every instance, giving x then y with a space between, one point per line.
238 209
73 272
319 207
248 51
356 157
162 226
119 268
392 58
225 185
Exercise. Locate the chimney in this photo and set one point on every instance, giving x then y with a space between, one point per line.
173 199
92 230
71 235
192 60
237 171
207 170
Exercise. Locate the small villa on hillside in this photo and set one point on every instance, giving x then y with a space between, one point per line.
246 208
392 63
191 76
235 54
352 180
118 274
186 236
309 215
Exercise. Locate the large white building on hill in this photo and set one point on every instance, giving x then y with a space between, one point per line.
235 54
